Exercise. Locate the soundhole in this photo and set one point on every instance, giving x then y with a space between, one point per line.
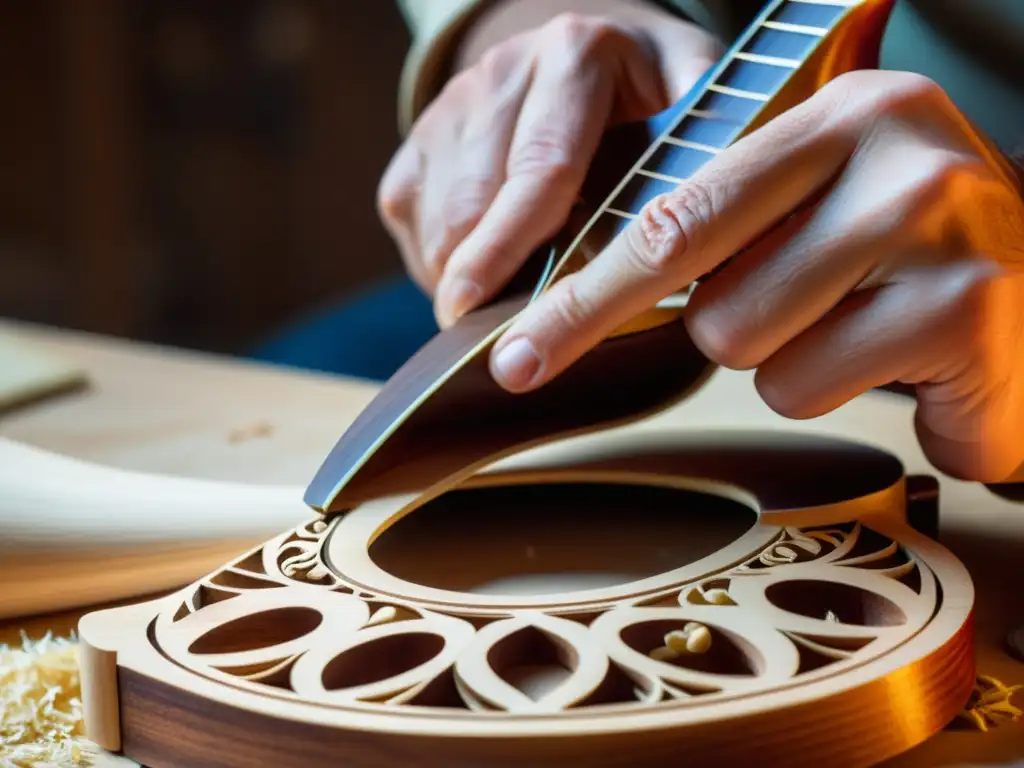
551 538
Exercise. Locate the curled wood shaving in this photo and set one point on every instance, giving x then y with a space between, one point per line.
40 705
990 703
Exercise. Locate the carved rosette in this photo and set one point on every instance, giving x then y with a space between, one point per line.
290 621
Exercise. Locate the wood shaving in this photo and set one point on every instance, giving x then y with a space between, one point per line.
990 703
40 705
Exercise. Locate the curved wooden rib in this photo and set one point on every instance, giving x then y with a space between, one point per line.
649 365
79 534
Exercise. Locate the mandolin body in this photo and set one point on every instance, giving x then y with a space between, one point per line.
520 619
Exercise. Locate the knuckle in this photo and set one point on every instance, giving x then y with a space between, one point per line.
722 339
496 63
862 98
583 34
668 227
392 201
692 204
491 61
399 184
946 182
570 26
436 252
465 201
885 90
903 97
544 156
569 305
908 88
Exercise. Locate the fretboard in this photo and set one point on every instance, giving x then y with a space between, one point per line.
723 106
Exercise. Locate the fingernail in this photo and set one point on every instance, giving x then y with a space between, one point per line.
516 364
459 297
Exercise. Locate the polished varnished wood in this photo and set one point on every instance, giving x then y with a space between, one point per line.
470 420
785 55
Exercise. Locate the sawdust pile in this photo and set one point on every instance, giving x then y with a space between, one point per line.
40 705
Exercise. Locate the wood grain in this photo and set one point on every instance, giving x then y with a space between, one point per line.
128 419
175 657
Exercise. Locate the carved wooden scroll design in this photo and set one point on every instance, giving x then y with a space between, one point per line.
823 611
285 621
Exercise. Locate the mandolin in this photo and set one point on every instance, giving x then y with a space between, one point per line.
445 395
777 598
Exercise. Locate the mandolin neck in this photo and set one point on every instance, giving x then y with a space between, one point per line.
442 416
728 102
745 89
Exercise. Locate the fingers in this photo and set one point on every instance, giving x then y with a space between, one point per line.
469 140
729 204
864 229
446 173
398 205
678 237
942 328
462 179
563 116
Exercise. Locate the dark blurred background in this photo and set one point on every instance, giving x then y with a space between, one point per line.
193 173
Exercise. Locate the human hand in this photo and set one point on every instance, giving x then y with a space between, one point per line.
494 164
907 268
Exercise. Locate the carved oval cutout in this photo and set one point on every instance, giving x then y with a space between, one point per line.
381 659
530 661
555 538
846 603
258 630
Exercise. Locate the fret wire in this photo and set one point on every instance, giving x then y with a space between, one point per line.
675 300
800 29
738 93
731 58
662 176
691 145
758 58
769 9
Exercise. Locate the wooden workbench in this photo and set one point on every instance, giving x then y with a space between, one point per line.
156 409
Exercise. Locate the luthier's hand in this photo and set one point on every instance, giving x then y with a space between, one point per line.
493 165
910 268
